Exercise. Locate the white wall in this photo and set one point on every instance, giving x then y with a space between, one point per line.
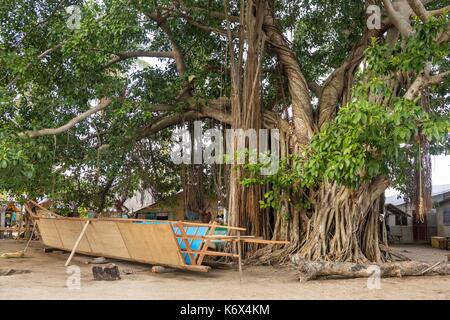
442 231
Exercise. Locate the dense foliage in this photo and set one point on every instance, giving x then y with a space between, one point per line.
50 73
370 137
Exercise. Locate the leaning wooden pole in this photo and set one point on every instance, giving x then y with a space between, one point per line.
239 255
77 242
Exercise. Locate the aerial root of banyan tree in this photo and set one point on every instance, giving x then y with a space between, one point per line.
311 270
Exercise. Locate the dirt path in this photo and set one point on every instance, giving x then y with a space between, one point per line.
47 280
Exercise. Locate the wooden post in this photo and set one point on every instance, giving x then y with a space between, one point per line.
77 242
239 255
20 222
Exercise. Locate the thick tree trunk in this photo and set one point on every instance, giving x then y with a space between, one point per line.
345 224
246 113
193 187
298 88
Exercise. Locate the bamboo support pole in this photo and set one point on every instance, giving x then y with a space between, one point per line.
77 242
239 255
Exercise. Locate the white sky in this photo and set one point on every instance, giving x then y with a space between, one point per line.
440 173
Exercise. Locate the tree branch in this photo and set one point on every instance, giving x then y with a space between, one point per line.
54 131
39 57
398 20
121 56
207 28
419 9
422 81
438 12
298 87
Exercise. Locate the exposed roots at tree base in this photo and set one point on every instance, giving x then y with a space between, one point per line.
345 226
310 270
270 255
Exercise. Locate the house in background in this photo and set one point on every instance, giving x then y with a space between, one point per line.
139 200
406 229
174 208
443 216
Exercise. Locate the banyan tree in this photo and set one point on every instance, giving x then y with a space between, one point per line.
91 92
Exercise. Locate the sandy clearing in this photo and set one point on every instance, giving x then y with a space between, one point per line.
48 278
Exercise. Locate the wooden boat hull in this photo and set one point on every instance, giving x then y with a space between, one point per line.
175 244
155 244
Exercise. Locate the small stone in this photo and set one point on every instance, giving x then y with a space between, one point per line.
99 260
128 271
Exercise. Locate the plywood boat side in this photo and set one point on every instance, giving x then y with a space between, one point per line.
154 244
177 244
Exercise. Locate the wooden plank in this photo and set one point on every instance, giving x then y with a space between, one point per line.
208 225
196 268
239 255
13 229
106 240
31 213
186 242
219 237
174 235
69 232
153 243
206 244
44 209
49 233
213 253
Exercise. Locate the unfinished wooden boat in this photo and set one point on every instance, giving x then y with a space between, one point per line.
176 244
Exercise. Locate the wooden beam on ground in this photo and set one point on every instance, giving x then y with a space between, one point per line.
195 268
77 242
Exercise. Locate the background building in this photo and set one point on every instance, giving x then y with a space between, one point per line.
403 226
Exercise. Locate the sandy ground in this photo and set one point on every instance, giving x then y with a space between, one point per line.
48 280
